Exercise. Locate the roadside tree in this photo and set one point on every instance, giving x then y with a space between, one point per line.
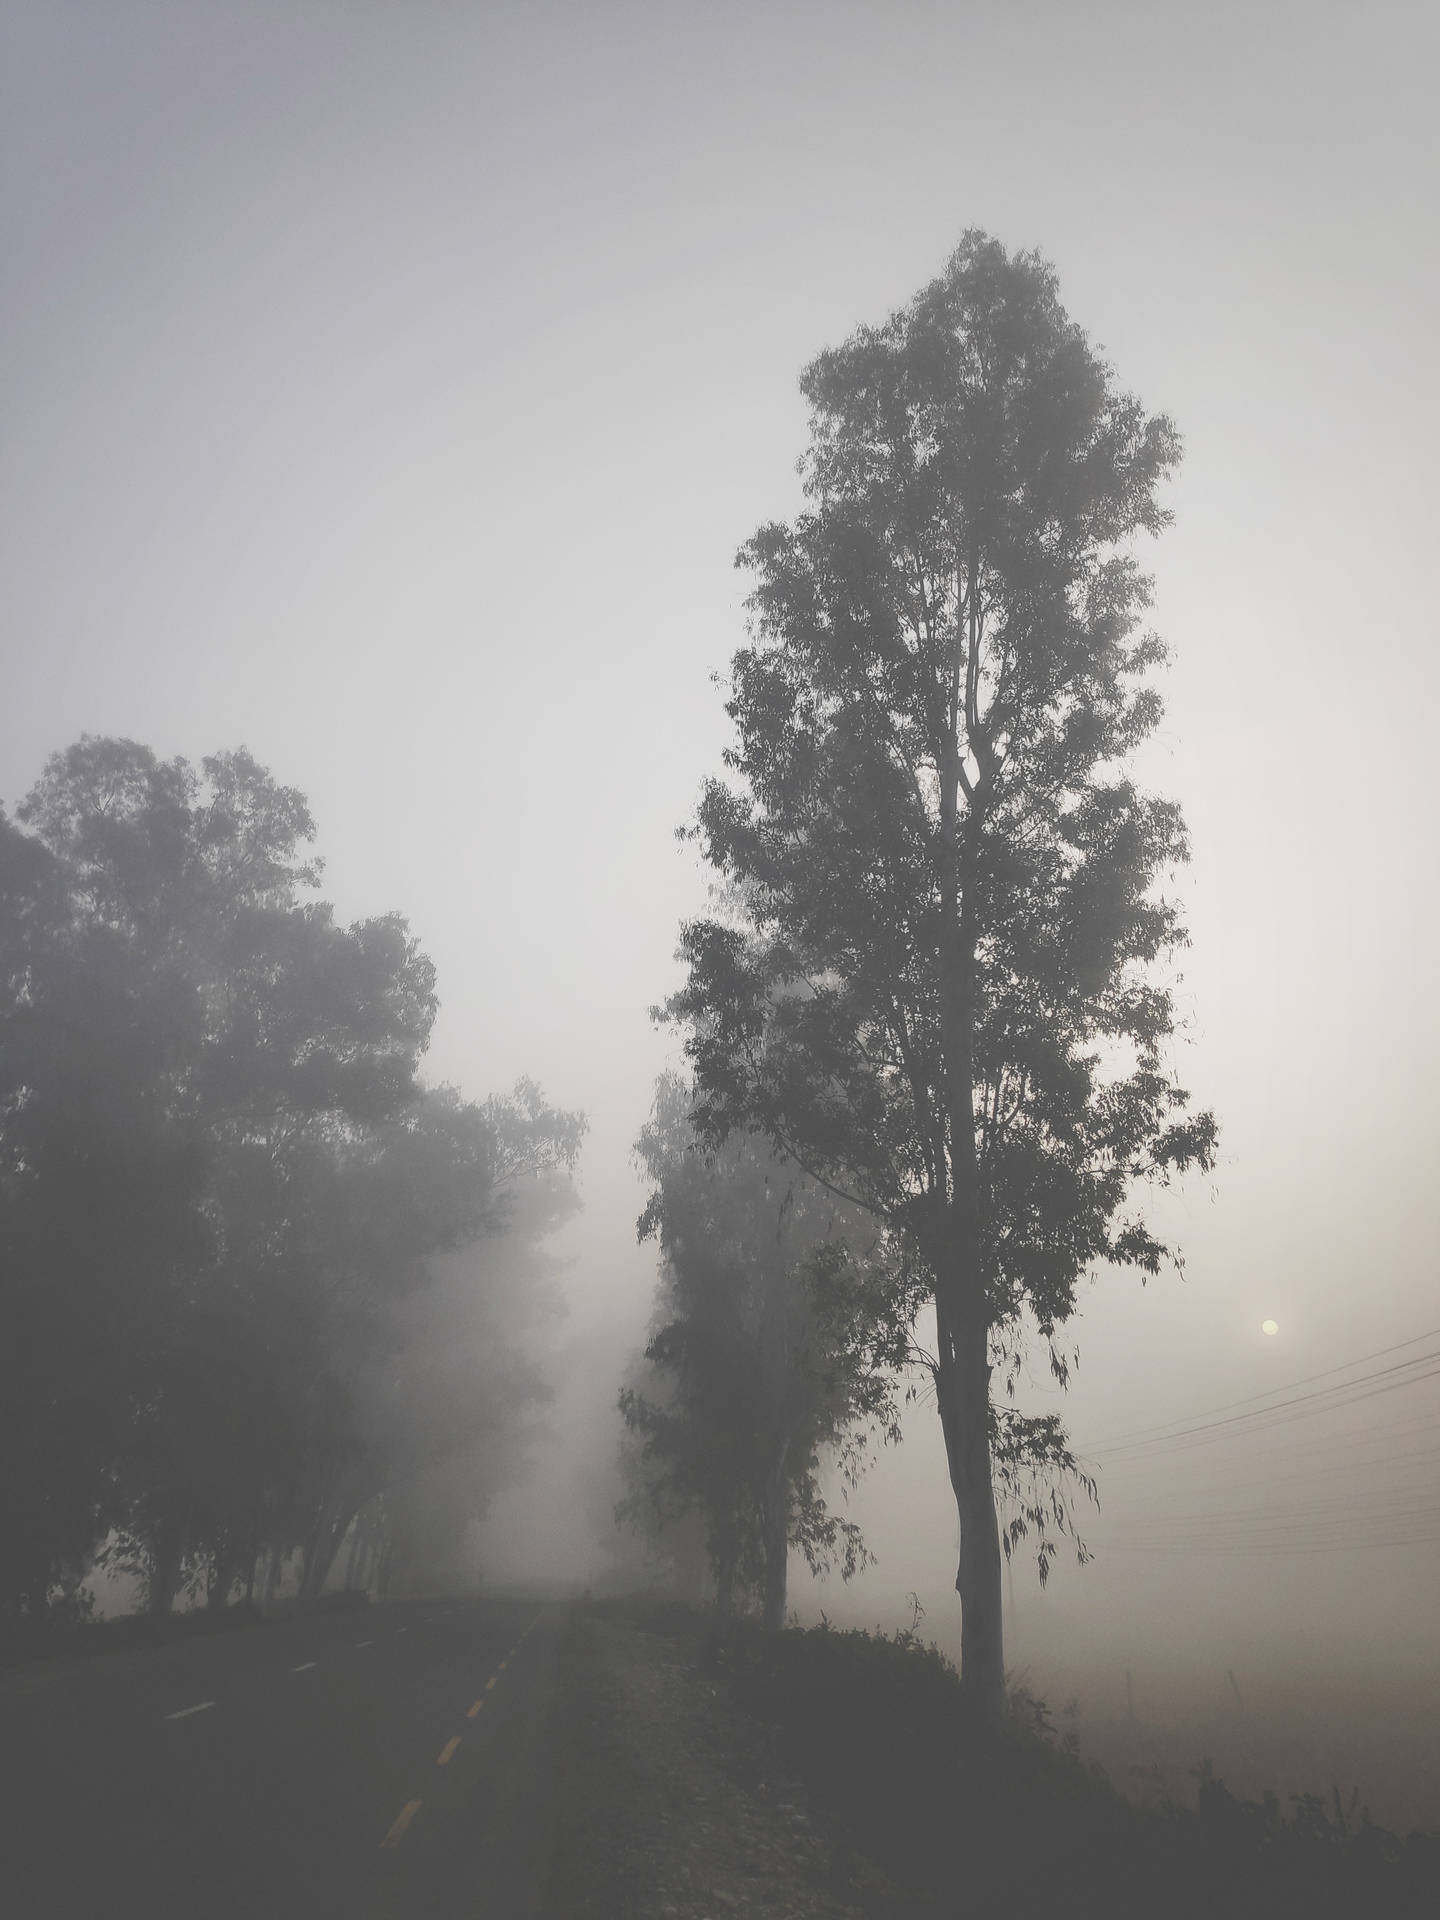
221 1182
423 1398
941 987
762 1362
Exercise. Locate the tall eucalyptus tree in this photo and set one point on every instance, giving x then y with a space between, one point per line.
939 986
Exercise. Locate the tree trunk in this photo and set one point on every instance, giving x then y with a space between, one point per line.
353 1560
962 1392
725 1585
324 1544
223 1570
962 1373
165 1558
310 1552
376 1541
777 1548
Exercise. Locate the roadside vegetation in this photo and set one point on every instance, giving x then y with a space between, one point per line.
263 1286
931 1077
770 1357
877 1729
937 974
928 1813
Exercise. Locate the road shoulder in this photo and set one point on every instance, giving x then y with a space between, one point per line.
669 1802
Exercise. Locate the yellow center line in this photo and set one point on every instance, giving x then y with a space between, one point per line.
447 1751
475 1709
503 1665
490 1682
402 1820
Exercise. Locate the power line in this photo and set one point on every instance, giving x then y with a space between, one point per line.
1289 1386
1423 1464
1343 1448
1345 1522
1258 1551
1253 1529
1303 1407
1289 1518
1280 1412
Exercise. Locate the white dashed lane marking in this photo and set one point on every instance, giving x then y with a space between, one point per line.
304 1667
185 1712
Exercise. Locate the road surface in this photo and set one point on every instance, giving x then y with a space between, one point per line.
385 1763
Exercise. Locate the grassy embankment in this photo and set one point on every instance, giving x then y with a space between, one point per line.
933 1821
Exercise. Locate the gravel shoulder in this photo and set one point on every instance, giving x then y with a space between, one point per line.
670 1804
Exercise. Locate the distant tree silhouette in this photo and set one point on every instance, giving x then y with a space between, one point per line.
761 1359
221 1179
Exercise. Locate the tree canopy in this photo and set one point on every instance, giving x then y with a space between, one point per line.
221 1177
762 1360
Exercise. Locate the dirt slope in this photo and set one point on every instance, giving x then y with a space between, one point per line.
668 1804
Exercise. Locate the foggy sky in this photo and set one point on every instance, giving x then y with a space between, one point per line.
388 388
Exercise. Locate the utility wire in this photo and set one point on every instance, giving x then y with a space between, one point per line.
1369 1544
1398 1469
1254 1530
1303 1407
1342 1393
1288 1519
1344 1448
1341 1524
1288 1386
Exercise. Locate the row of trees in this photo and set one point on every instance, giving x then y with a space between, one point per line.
766 1361
940 985
224 1190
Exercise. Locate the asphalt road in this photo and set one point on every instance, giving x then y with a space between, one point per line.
379 1764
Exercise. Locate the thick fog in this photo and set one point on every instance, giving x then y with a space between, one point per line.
388 390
